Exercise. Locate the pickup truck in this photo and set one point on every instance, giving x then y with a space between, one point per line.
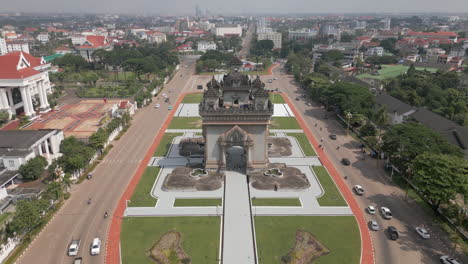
78 261
74 247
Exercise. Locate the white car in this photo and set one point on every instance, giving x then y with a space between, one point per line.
386 213
157 106
74 247
373 225
371 209
95 246
449 260
423 232
358 189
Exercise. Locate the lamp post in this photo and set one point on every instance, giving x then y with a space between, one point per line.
348 117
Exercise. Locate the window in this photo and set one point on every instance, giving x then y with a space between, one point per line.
236 101
11 163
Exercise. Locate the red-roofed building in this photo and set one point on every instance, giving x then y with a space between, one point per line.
31 29
91 44
63 50
452 36
23 77
184 48
122 107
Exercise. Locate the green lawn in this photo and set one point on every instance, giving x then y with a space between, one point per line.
198 134
193 98
200 237
4 216
276 98
340 234
165 144
284 123
192 122
332 196
391 71
304 142
141 197
276 202
197 202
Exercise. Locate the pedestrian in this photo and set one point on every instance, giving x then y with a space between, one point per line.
323 147
315 124
320 146
321 139
337 148
320 128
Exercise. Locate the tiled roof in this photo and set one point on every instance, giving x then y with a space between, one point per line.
433 34
10 61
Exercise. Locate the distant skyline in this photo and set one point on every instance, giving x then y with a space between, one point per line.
187 7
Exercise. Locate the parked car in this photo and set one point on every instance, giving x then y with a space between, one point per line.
74 247
448 260
358 189
166 100
95 248
333 136
345 162
275 78
373 225
200 87
386 213
297 99
393 232
170 107
157 106
422 232
78 260
371 209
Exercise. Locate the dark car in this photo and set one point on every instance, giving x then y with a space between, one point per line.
325 116
345 162
297 99
333 136
393 232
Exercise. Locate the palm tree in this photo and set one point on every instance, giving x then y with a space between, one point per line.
382 120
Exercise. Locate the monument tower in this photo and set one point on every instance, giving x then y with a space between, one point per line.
236 112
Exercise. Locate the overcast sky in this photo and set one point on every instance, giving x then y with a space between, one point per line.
233 6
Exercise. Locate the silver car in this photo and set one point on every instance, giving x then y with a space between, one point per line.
423 232
373 225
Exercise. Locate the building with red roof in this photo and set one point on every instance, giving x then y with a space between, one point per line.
452 36
91 44
23 77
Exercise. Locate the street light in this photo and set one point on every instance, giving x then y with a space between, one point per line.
348 117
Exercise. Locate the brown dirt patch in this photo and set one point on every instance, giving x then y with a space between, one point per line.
168 250
292 178
306 249
180 178
90 124
279 147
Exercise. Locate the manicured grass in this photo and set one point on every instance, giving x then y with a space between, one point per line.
391 71
276 98
304 142
284 123
340 234
200 237
276 202
141 197
332 196
192 122
198 134
197 202
165 144
4 216
193 98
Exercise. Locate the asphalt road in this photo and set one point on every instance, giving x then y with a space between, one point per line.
78 220
244 52
379 190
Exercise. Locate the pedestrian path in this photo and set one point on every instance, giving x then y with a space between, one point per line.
238 239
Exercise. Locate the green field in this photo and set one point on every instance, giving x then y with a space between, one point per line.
197 202
200 237
192 122
340 234
141 197
276 202
165 144
332 196
4 216
304 142
391 71
284 123
193 98
276 98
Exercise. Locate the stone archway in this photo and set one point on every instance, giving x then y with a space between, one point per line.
236 158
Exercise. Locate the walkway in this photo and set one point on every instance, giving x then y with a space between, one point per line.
238 240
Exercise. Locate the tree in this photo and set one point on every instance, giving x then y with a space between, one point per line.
350 97
27 216
33 168
332 55
70 60
346 37
76 154
90 78
440 177
411 70
4 116
389 44
98 139
368 130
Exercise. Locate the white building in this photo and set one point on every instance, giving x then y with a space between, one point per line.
302 34
19 146
387 23
78 39
205 45
274 36
3 47
224 30
14 45
156 37
43 37
375 51
23 78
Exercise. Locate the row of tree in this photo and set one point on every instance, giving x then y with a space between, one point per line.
215 59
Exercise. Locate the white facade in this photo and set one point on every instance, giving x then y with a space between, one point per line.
205 45
3 46
274 36
157 38
17 46
43 37
303 34
375 51
78 40
228 30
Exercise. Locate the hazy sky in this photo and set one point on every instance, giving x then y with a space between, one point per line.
234 6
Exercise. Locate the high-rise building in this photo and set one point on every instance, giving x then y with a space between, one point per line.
3 46
198 11
273 36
